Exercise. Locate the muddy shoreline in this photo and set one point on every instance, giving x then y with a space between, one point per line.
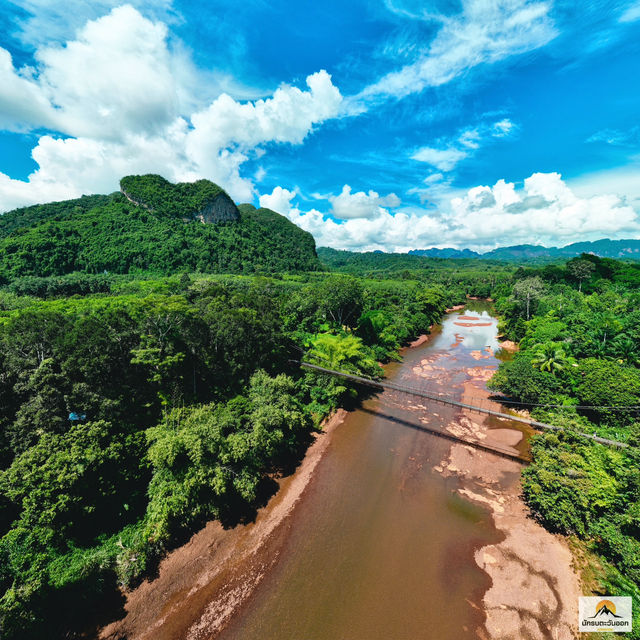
206 583
202 584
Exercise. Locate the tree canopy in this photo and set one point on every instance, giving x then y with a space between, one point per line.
133 410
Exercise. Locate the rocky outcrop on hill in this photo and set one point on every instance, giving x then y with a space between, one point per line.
220 209
200 200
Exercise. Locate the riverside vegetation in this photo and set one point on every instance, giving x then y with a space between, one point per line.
186 403
578 326
147 382
134 408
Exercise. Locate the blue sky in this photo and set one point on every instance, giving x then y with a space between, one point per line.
390 125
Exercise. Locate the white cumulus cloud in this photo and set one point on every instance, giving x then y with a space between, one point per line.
622 180
347 205
278 200
544 211
115 77
127 103
288 116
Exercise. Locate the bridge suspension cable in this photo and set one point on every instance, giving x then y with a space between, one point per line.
447 400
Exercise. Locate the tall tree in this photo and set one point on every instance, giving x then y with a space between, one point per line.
528 291
340 299
580 270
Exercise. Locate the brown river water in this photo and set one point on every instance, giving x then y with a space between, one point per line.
381 545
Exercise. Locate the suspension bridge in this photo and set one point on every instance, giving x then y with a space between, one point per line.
480 405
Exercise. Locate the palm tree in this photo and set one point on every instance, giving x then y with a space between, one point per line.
550 357
342 352
625 348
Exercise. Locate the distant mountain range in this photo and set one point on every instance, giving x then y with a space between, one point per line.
621 249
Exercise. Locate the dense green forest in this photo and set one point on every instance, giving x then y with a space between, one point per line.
148 383
95 234
377 261
578 326
459 276
132 411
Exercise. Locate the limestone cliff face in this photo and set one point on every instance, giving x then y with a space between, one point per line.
220 209
134 201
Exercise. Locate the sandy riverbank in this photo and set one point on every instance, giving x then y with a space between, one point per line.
201 584
419 340
508 345
535 588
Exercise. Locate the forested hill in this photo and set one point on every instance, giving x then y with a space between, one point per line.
151 226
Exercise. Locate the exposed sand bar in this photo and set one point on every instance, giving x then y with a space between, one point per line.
535 589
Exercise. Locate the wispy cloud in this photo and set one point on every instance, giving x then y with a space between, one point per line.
486 31
419 10
631 13
443 159
450 152
503 128
616 137
49 21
